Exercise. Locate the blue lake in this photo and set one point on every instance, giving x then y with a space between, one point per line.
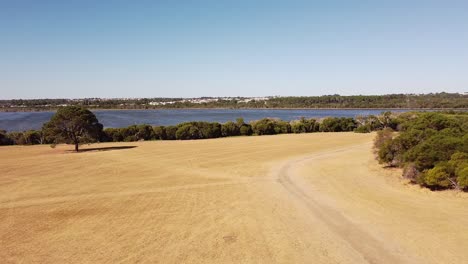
19 121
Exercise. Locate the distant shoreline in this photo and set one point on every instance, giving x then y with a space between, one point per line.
19 110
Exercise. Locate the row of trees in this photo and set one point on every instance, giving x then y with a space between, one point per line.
437 100
206 130
76 125
431 147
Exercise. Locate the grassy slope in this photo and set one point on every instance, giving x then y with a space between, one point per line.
288 198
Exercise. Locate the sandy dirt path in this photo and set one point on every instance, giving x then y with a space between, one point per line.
315 198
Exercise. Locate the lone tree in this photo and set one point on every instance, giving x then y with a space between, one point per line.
73 125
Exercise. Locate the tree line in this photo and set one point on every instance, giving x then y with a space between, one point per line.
408 101
432 148
77 125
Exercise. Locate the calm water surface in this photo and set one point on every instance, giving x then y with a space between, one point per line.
19 121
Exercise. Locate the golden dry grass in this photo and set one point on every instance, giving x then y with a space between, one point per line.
312 198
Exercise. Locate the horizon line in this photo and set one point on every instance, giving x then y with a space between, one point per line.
238 96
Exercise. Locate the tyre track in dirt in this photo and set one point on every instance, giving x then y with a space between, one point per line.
372 250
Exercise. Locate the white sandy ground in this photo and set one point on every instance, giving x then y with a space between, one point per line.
311 198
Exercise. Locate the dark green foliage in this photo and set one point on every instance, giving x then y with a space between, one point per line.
33 137
73 124
363 129
304 125
198 130
449 174
439 177
246 130
113 135
430 120
230 129
159 132
144 132
188 131
4 139
282 127
459 163
337 124
17 138
268 126
462 178
129 133
433 148
171 132
264 127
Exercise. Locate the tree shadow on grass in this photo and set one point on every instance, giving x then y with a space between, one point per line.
104 149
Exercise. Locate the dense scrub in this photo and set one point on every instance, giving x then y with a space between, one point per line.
431 147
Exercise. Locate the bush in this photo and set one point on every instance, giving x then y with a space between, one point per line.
230 129
268 126
439 177
171 132
198 130
432 147
411 173
4 139
337 124
382 138
144 132
264 127
17 138
113 135
159 132
188 131
304 126
246 130
389 153
435 149
363 129
462 178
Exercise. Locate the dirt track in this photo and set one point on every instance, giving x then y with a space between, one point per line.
315 198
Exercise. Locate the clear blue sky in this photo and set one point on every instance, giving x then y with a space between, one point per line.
75 49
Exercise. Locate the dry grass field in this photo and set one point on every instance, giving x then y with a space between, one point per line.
309 198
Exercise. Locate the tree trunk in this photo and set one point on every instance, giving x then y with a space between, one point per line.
76 146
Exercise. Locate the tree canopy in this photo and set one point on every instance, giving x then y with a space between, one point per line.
432 147
73 125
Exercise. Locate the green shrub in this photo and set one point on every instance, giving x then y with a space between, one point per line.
337 124
269 126
246 130
439 177
159 132
462 177
304 125
171 132
4 139
230 129
198 130
264 126
144 132
432 147
363 129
